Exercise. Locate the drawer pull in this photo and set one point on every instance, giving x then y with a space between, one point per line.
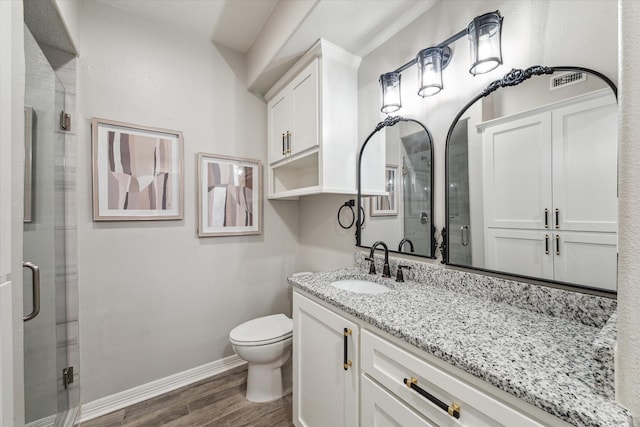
347 363
453 409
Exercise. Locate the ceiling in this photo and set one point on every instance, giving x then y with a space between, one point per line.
271 34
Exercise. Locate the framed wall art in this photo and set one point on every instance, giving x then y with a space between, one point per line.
388 204
229 195
137 172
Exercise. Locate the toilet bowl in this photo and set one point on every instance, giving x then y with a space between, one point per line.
265 343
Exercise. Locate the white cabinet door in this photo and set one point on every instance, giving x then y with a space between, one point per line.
293 116
517 172
381 409
590 259
280 122
324 392
585 161
524 252
305 101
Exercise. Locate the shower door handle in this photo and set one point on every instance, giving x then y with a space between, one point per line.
35 285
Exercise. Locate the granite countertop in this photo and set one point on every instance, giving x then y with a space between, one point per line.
545 360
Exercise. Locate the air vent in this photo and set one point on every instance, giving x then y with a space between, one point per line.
567 79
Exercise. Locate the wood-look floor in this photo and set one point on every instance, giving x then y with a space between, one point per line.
216 401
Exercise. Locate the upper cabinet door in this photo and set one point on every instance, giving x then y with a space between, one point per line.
280 122
585 141
304 93
517 173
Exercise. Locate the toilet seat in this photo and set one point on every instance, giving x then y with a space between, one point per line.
262 331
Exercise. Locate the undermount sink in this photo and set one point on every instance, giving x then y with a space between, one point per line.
360 286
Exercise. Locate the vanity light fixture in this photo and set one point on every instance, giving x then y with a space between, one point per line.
484 34
429 62
390 84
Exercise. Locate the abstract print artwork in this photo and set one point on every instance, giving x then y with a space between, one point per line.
137 172
387 204
229 196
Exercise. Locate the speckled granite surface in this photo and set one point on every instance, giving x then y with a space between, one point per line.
543 359
587 309
603 358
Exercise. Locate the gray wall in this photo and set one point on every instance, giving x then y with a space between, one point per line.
154 298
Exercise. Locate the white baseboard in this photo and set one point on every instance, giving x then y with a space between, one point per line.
155 388
62 419
43 422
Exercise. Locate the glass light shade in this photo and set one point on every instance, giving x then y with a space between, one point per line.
429 71
484 36
390 84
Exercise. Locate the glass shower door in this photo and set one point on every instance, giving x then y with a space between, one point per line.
45 337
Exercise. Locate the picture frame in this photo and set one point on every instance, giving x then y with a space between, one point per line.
387 205
229 195
28 164
138 172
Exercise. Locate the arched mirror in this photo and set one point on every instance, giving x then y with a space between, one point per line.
531 178
395 199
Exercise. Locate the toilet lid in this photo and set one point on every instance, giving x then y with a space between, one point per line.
263 330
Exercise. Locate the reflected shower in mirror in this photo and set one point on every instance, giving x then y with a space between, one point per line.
532 176
395 175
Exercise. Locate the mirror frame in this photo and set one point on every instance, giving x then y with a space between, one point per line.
388 122
512 78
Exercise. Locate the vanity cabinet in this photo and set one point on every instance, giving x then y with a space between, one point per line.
325 366
312 125
550 195
372 390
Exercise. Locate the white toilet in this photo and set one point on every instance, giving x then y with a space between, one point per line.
265 343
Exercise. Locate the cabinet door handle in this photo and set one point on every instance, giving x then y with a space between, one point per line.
283 146
546 218
557 218
557 245
546 244
288 142
453 409
347 332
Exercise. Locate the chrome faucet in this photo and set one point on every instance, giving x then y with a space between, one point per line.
402 242
386 272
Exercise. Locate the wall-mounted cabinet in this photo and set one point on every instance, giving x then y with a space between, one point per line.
312 121
293 116
550 191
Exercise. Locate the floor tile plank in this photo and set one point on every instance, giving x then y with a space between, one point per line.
217 401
